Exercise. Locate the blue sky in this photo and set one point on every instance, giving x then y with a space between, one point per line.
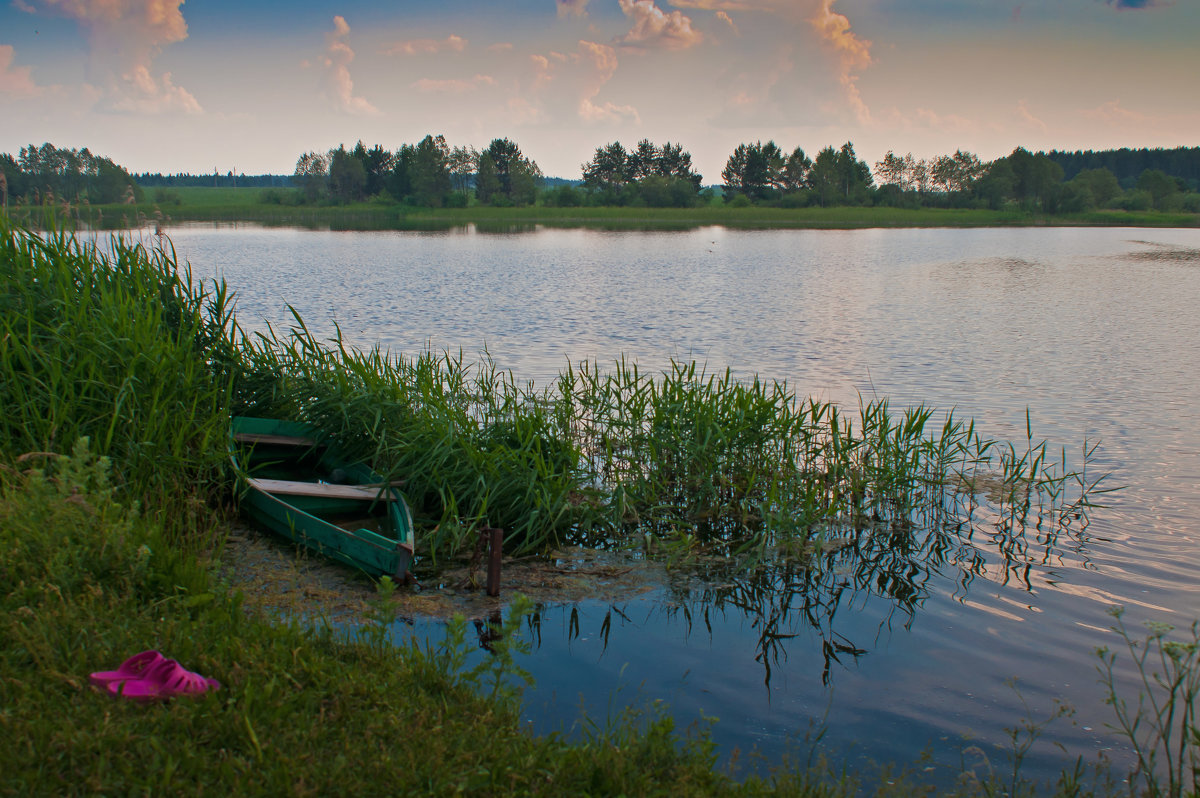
161 85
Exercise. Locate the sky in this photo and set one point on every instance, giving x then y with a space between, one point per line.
168 86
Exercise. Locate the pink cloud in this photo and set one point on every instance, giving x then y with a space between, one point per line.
854 53
728 20
15 81
451 43
125 37
835 29
577 77
1028 118
158 21
731 5
453 86
655 28
154 95
1112 111
338 56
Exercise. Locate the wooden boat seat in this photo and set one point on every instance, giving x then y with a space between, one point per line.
287 487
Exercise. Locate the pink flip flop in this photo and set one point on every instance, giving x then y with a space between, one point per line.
133 668
165 679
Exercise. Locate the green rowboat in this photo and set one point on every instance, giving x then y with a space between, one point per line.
291 483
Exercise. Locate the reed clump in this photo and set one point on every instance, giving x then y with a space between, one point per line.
119 345
628 459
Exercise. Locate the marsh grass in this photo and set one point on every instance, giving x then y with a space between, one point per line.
681 459
119 345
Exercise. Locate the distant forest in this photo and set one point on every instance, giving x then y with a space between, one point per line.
230 179
1127 165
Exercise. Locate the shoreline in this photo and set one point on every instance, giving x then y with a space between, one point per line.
375 216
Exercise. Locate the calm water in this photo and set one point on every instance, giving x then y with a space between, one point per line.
1095 331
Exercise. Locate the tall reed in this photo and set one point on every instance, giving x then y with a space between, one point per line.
119 345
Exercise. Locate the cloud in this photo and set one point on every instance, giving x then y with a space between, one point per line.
728 20
947 123
453 86
854 53
1138 5
451 43
15 81
338 56
604 61
835 29
655 28
572 80
568 8
1112 112
735 5
153 95
1029 119
155 22
125 37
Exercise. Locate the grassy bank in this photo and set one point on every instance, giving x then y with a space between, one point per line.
106 548
192 204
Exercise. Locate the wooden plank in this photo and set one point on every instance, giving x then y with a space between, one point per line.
281 440
286 487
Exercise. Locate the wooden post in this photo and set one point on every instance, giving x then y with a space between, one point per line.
495 544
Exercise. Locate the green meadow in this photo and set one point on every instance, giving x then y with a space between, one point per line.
119 374
165 206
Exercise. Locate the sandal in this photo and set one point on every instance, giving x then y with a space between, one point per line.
133 668
163 680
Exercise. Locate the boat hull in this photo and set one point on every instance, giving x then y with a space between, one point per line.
306 492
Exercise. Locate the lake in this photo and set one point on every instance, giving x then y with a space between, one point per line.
1093 331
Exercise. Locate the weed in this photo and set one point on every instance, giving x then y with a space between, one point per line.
1161 725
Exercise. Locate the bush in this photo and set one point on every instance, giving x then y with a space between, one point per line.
1135 200
564 196
167 196
279 196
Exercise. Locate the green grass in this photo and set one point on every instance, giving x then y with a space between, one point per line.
300 711
167 205
122 348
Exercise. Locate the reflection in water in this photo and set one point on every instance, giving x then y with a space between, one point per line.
893 562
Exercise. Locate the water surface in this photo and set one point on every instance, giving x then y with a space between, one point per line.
1094 331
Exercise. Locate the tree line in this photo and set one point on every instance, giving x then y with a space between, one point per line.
1025 180
47 175
433 173
429 173
650 175
230 179
1127 164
